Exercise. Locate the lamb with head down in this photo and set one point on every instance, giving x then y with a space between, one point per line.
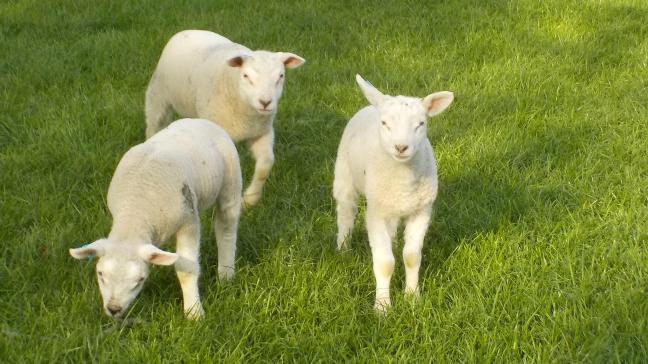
157 191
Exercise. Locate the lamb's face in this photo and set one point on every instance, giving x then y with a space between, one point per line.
403 126
120 281
261 78
122 269
403 120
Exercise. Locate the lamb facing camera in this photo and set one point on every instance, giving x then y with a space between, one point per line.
385 155
201 74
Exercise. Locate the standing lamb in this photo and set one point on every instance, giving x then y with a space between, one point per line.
202 74
385 155
158 190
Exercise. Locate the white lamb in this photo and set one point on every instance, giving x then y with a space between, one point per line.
158 190
202 74
385 155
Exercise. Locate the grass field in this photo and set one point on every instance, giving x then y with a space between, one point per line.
538 250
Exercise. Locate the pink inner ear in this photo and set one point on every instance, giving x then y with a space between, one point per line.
90 252
435 104
235 62
291 62
82 253
156 258
162 258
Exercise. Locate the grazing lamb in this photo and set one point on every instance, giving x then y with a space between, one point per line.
158 190
202 74
385 155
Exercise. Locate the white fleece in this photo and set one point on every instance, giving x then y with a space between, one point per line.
157 191
384 155
205 75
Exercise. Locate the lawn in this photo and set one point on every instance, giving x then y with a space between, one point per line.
538 248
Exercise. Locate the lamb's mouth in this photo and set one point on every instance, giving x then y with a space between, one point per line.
265 111
402 158
118 316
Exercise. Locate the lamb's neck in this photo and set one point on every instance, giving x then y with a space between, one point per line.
230 91
132 230
415 166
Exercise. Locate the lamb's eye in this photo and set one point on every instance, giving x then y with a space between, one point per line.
138 284
100 274
420 124
245 75
383 123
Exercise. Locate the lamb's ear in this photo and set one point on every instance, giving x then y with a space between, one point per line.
291 60
437 102
237 61
97 248
372 94
154 255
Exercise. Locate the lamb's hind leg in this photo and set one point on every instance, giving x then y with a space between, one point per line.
188 268
157 110
226 220
414 236
346 200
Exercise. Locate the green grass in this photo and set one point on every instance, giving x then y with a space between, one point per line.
537 252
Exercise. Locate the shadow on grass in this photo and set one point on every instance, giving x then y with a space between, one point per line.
500 189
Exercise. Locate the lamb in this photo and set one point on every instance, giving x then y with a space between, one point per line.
384 154
205 75
158 190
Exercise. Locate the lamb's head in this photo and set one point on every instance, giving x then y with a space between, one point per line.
261 77
404 119
122 269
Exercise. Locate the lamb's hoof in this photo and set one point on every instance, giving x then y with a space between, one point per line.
249 200
382 307
245 207
412 294
225 273
195 313
413 297
342 244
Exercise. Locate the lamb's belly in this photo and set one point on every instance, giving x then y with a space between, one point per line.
209 191
205 179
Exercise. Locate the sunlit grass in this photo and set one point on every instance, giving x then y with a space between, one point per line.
538 247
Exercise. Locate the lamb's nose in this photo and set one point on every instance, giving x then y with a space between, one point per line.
113 309
401 148
265 103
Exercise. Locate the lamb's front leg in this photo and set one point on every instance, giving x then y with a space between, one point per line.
381 232
188 269
414 235
261 149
